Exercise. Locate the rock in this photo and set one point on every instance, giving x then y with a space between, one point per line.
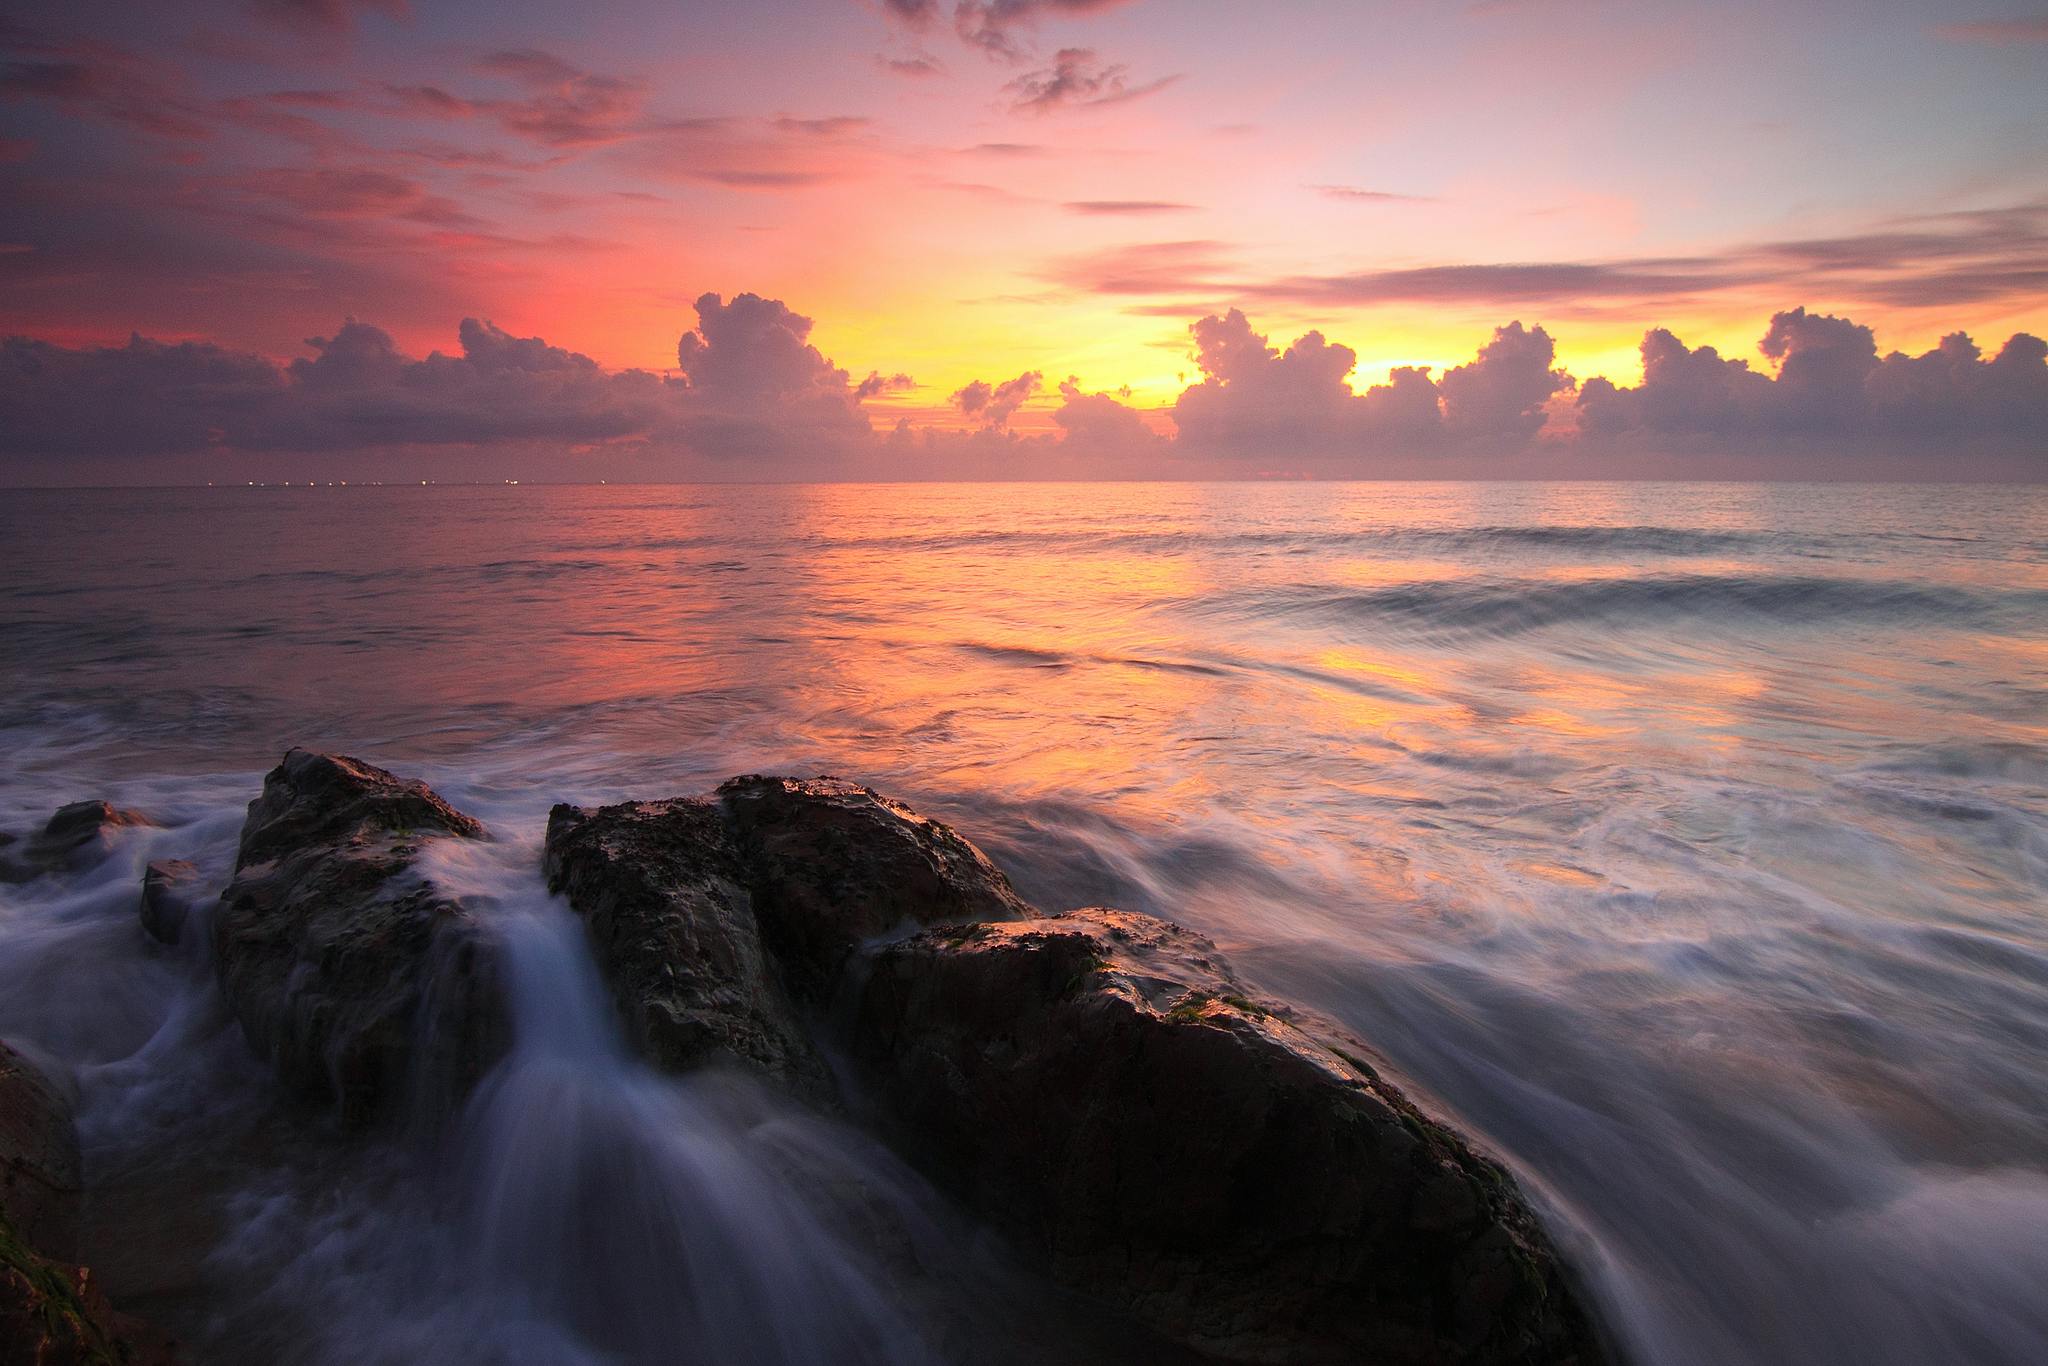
39 1178
1101 1086
360 980
52 1314
661 889
51 1311
169 892
832 864
77 836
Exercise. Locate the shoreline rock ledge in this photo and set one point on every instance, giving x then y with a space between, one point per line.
1098 1085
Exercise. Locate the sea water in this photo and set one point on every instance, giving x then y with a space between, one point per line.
1687 843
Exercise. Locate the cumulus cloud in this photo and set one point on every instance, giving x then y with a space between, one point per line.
750 386
877 384
1257 402
1100 424
753 396
1830 387
995 404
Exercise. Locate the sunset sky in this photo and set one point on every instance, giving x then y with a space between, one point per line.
968 194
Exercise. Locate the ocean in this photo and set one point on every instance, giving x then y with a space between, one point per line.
1687 842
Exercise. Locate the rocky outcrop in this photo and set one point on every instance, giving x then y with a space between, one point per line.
832 864
1099 1084
711 916
170 891
1227 1172
77 836
51 1310
662 890
362 982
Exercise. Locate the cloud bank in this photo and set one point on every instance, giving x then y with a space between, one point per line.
748 386
752 398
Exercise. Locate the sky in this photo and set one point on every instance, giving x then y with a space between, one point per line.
1068 238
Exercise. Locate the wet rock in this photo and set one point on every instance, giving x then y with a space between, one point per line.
52 1312
362 982
661 889
169 892
77 836
39 1179
1100 1085
832 864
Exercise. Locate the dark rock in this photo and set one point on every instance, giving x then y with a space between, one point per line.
659 885
360 980
39 1179
77 836
832 864
169 892
1099 1084
52 1312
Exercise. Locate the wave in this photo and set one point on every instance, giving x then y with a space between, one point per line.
1503 607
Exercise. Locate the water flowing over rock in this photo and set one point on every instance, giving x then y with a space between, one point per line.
363 983
662 891
52 1312
1099 1084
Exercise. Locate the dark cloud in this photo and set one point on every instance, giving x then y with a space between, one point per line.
1938 260
1831 387
833 126
1113 208
564 105
531 66
1494 283
338 16
916 13
1195 267
997 27
915 66
354 192
994 404
1078 78
99 81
